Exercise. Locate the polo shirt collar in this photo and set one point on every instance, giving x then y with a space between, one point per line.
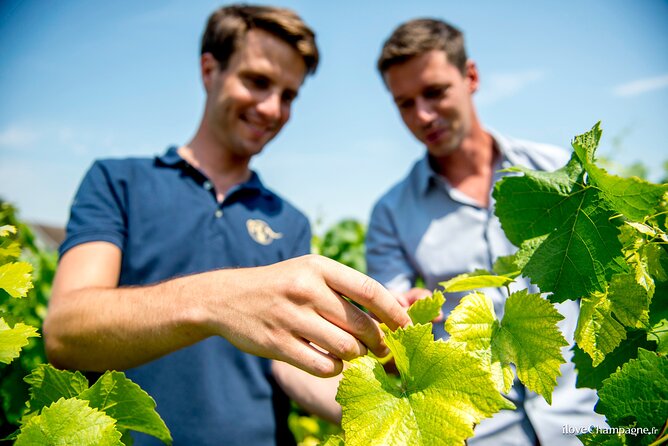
171 158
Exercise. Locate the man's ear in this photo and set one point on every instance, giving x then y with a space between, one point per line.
472 76
209 67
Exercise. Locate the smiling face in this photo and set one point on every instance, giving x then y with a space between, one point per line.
434 99
249 102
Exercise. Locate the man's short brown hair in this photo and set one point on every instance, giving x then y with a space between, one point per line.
420 36
228 26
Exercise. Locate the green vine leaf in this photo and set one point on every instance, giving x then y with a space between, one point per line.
67 422
334 440
444 392
633 197
425 310
5 230
12 340
10 249
474 324
527 336
630 301
48 385
128 404
592 377
598 332
637 393
476 280
580 243
602 439
15 278
658 319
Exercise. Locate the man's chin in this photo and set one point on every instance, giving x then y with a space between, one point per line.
251 149
441 150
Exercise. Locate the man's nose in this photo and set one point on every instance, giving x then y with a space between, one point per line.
270 106
424 111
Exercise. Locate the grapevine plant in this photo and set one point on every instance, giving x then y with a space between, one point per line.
62 407
582 234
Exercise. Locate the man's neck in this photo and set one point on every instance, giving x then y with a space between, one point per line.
470 168
222 168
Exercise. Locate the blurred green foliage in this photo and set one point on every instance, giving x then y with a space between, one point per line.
30 310
343 242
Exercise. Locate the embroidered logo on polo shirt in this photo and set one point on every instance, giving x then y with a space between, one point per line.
260 231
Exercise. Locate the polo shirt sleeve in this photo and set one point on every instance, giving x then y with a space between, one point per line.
385 256
97 212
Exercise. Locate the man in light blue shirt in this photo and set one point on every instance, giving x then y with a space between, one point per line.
439 221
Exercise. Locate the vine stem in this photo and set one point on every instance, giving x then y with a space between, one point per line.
662 436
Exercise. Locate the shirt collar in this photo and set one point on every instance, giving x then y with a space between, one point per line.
171 158
426 176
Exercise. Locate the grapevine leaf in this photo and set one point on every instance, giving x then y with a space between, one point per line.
524 254
12 340
128 404
633 197
637 393
15 278
530 338
5 230
629 300
444 392
507 266
658 319
13 394
48 385
655 255
527 336
598 332
512 265
425 310
334 440
602 439
10 248
592 377
475 280
474 323
67 422
581 241
529 205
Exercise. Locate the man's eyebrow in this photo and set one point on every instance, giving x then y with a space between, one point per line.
293 93
399 98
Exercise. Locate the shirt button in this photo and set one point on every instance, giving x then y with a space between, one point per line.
208 185
218 213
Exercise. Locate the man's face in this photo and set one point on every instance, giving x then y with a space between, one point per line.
434 99
249 102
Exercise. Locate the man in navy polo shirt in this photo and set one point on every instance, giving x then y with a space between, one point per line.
183 269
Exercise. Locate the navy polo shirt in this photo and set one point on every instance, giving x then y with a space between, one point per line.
163 214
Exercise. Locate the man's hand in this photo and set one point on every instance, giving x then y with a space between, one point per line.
294 311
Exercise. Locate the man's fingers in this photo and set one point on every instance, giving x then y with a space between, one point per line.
337 342
302 355
367 292
357 323
415 294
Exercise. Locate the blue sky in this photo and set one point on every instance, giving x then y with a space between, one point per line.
81 80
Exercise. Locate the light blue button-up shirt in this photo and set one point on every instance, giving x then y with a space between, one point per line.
424 227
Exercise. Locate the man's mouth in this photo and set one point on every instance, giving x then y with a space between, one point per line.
258 128
435 135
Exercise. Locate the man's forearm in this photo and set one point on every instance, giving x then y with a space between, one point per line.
118 328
